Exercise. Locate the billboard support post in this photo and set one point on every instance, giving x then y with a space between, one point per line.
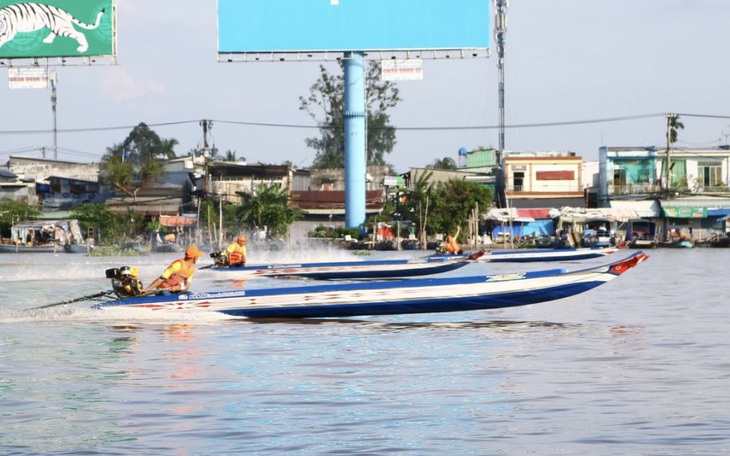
54 98
355 139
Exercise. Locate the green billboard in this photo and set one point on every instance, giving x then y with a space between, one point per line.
57 28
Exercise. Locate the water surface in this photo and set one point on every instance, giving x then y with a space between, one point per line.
637 366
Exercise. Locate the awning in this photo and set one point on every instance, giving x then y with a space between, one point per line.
175 221
537 227
620 211
524 215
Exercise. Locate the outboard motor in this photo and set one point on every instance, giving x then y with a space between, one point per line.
124 281
220 258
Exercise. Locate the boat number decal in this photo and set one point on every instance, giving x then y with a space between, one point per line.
223 294
505 277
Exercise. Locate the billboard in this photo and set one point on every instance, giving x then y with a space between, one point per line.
264 26
57 28
28 78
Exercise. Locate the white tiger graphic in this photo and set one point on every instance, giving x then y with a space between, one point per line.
30 17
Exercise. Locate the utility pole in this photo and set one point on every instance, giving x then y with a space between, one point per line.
207 125
500 31
54 99
669 154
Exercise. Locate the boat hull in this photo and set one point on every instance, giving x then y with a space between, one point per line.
537 255
429 295
379 269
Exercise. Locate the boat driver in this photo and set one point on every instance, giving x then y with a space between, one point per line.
178 275
236 252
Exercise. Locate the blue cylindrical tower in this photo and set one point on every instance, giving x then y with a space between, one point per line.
355 139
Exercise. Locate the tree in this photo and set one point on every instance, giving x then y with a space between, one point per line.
268 209
230 155
12 212
136 161
110 227
454 201
416 203
443 163
325 105
673 127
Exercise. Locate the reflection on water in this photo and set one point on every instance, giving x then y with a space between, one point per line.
638 366
491 324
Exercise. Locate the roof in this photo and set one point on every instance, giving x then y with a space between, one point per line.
620 211
145 205
522 215
166 220
333 199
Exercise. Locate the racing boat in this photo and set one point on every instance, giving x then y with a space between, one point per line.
373 269
422 295
537 255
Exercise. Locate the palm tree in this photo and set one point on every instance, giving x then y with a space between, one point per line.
673 127
230 155
268 208
417 203
443 163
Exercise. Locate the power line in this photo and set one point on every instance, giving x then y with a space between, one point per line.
418 128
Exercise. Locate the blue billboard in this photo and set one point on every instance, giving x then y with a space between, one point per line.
258 26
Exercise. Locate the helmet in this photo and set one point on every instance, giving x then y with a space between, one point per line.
241 238
192 252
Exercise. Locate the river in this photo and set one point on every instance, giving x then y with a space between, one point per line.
638 366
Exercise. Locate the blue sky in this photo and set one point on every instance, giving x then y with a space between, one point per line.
566 61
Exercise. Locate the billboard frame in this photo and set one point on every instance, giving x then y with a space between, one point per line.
324 30
329 56
53 58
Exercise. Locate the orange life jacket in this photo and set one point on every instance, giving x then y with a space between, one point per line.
236 254
179 278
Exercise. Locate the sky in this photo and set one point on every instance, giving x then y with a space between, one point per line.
578 75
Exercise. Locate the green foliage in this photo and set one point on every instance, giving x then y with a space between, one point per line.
230 156
326 105
418 201
267 208
136 161
673 127
110 227
339 232
443 163
12 212
453 202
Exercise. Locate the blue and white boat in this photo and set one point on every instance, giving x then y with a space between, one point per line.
423 295
539 255
366 269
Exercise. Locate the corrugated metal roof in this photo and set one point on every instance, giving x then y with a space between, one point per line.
146 205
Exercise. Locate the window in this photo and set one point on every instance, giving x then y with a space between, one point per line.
710 174
518 180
